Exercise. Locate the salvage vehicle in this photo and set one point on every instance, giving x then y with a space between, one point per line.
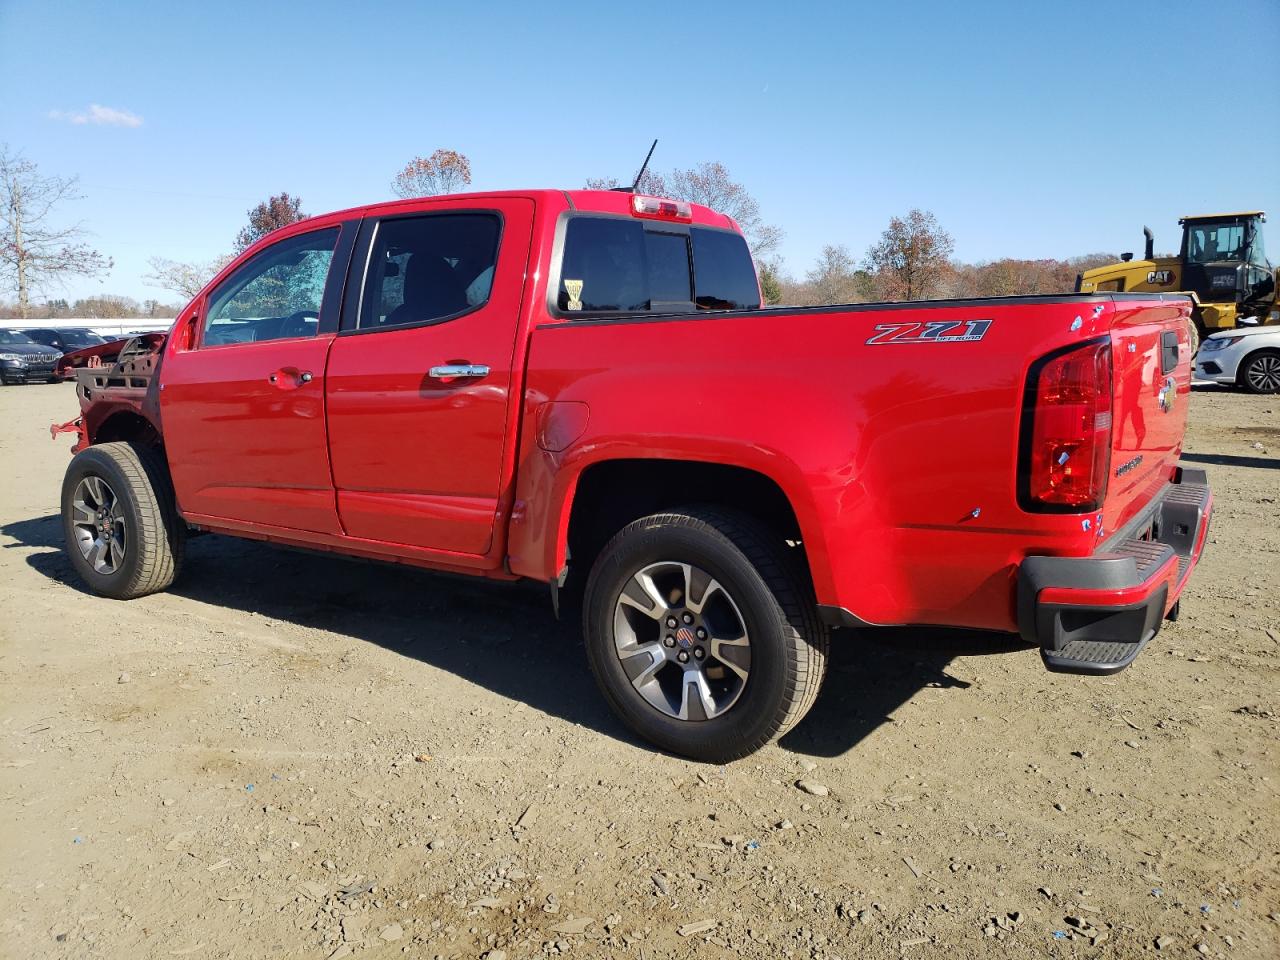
582 388
1247 357
23 359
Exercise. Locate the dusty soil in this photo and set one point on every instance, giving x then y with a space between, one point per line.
299 756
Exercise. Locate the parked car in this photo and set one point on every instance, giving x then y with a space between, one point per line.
581 388
1248 357
65 339
23 359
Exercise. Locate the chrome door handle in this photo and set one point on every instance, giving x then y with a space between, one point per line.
459 371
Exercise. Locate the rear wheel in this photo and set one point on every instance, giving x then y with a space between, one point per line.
703 634
122 531
1260 372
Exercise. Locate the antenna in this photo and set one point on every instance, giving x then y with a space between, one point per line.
639 176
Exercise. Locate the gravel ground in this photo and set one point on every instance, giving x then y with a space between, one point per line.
300 756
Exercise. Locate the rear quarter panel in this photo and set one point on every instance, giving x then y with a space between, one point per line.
898 457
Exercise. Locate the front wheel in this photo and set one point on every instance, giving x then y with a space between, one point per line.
1260 372
122 530
702 633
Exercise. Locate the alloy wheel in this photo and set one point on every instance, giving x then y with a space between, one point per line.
98 520
1264 373
682 641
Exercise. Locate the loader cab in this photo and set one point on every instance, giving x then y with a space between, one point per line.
1223 259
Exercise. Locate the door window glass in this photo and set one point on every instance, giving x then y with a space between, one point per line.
426 269
275 295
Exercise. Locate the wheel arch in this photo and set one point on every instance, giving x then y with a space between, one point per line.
120 422
607 494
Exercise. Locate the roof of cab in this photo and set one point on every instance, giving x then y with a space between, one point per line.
594 201
1221 216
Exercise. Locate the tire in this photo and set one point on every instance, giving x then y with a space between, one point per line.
1260 372
1196 335
756 581
144 551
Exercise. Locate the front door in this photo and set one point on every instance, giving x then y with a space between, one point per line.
419 379
243 388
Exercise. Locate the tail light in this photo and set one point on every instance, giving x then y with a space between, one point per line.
656 208
1066 430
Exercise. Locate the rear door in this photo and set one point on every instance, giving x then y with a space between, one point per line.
419 379
242 395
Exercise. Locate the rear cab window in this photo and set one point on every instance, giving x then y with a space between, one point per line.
619 265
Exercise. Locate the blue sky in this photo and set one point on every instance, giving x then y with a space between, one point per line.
1031 130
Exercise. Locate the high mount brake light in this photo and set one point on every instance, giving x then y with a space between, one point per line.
656 208
1066 431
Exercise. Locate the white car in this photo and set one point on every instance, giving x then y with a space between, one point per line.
1247 356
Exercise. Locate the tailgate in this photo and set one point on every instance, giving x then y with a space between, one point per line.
1151 363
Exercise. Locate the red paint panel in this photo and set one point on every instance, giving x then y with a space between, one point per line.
418 460
240 446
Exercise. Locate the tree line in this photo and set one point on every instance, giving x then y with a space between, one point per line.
912 259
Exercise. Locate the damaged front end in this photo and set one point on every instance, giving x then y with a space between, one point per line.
112 379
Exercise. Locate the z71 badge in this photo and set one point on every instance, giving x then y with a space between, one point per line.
931 331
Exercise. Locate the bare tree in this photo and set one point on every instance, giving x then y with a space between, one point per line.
912 258
710 185
187 279
835 278
34 254
445 171
272 214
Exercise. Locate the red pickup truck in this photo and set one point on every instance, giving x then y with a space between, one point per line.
582 388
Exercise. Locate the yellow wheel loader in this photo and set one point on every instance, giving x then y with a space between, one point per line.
1221 265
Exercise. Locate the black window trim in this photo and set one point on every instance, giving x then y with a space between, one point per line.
330 300
358 272
652 226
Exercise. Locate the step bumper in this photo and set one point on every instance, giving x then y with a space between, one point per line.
1093 615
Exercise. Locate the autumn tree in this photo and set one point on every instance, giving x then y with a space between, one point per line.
186 279
912 258
445 171
34 252
272 214
711 185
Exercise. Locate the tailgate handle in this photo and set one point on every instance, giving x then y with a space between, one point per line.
1168 351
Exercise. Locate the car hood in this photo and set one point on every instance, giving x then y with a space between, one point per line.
1271 331
29 349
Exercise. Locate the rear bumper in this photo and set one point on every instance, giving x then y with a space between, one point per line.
1094 615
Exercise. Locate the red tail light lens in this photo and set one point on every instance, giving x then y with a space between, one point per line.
1066 431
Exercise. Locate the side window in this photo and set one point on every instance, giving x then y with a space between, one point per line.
724 272
275 295
429 268
617 265
612 265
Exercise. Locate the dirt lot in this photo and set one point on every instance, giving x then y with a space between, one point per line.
301 756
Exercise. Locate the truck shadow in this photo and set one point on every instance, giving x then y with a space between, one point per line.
1231 460
503 636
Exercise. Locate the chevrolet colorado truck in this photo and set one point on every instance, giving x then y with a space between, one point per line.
582 388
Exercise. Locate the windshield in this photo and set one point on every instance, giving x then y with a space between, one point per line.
1257 254
13 336
81 338
1210 242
